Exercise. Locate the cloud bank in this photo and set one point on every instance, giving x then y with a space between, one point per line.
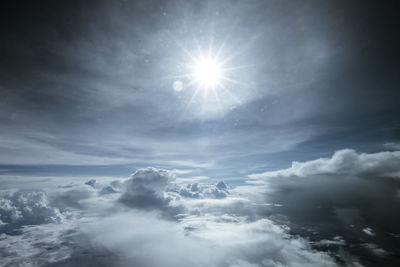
325 212
352 195
345 161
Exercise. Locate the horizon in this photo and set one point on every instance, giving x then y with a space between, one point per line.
276 122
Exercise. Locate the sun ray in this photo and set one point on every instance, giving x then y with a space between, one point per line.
209 73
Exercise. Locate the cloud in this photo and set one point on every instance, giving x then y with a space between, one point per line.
346 195
18 208
91 183
345 161
145 189
146 240
368 231
150 219
392 146
196 190
104 190
376 250
98 230
71 196
37 245
107 190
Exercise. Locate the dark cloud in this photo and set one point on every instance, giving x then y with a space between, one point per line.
351 195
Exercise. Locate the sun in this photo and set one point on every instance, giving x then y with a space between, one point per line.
206 80
207 72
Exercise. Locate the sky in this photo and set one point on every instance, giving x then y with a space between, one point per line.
159 101
88 85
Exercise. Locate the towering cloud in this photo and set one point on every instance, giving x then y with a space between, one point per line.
145 189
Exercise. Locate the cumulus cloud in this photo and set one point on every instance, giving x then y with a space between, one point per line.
71 196
320 213
146 189
196 190
213 232
340 196
345 161
18 208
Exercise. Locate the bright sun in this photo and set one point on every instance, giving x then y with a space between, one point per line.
206 76
207 73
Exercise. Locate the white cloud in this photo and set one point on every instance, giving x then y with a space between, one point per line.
210 233
345 161
146 240
99 227
147 220
18 208
368 231
196 190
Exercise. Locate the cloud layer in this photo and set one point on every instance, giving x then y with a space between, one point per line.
325 212
343 162
350 195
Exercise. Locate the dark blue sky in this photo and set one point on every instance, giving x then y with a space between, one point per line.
86 88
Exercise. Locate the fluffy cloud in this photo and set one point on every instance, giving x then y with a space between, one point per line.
318 213
196 190
345 161
146 189
19 208
351 195
111 234
146 240
71 196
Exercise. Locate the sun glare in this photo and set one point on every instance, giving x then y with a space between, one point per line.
207 76
207 73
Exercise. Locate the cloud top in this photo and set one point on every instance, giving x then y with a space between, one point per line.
145 188
18 208
345 161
